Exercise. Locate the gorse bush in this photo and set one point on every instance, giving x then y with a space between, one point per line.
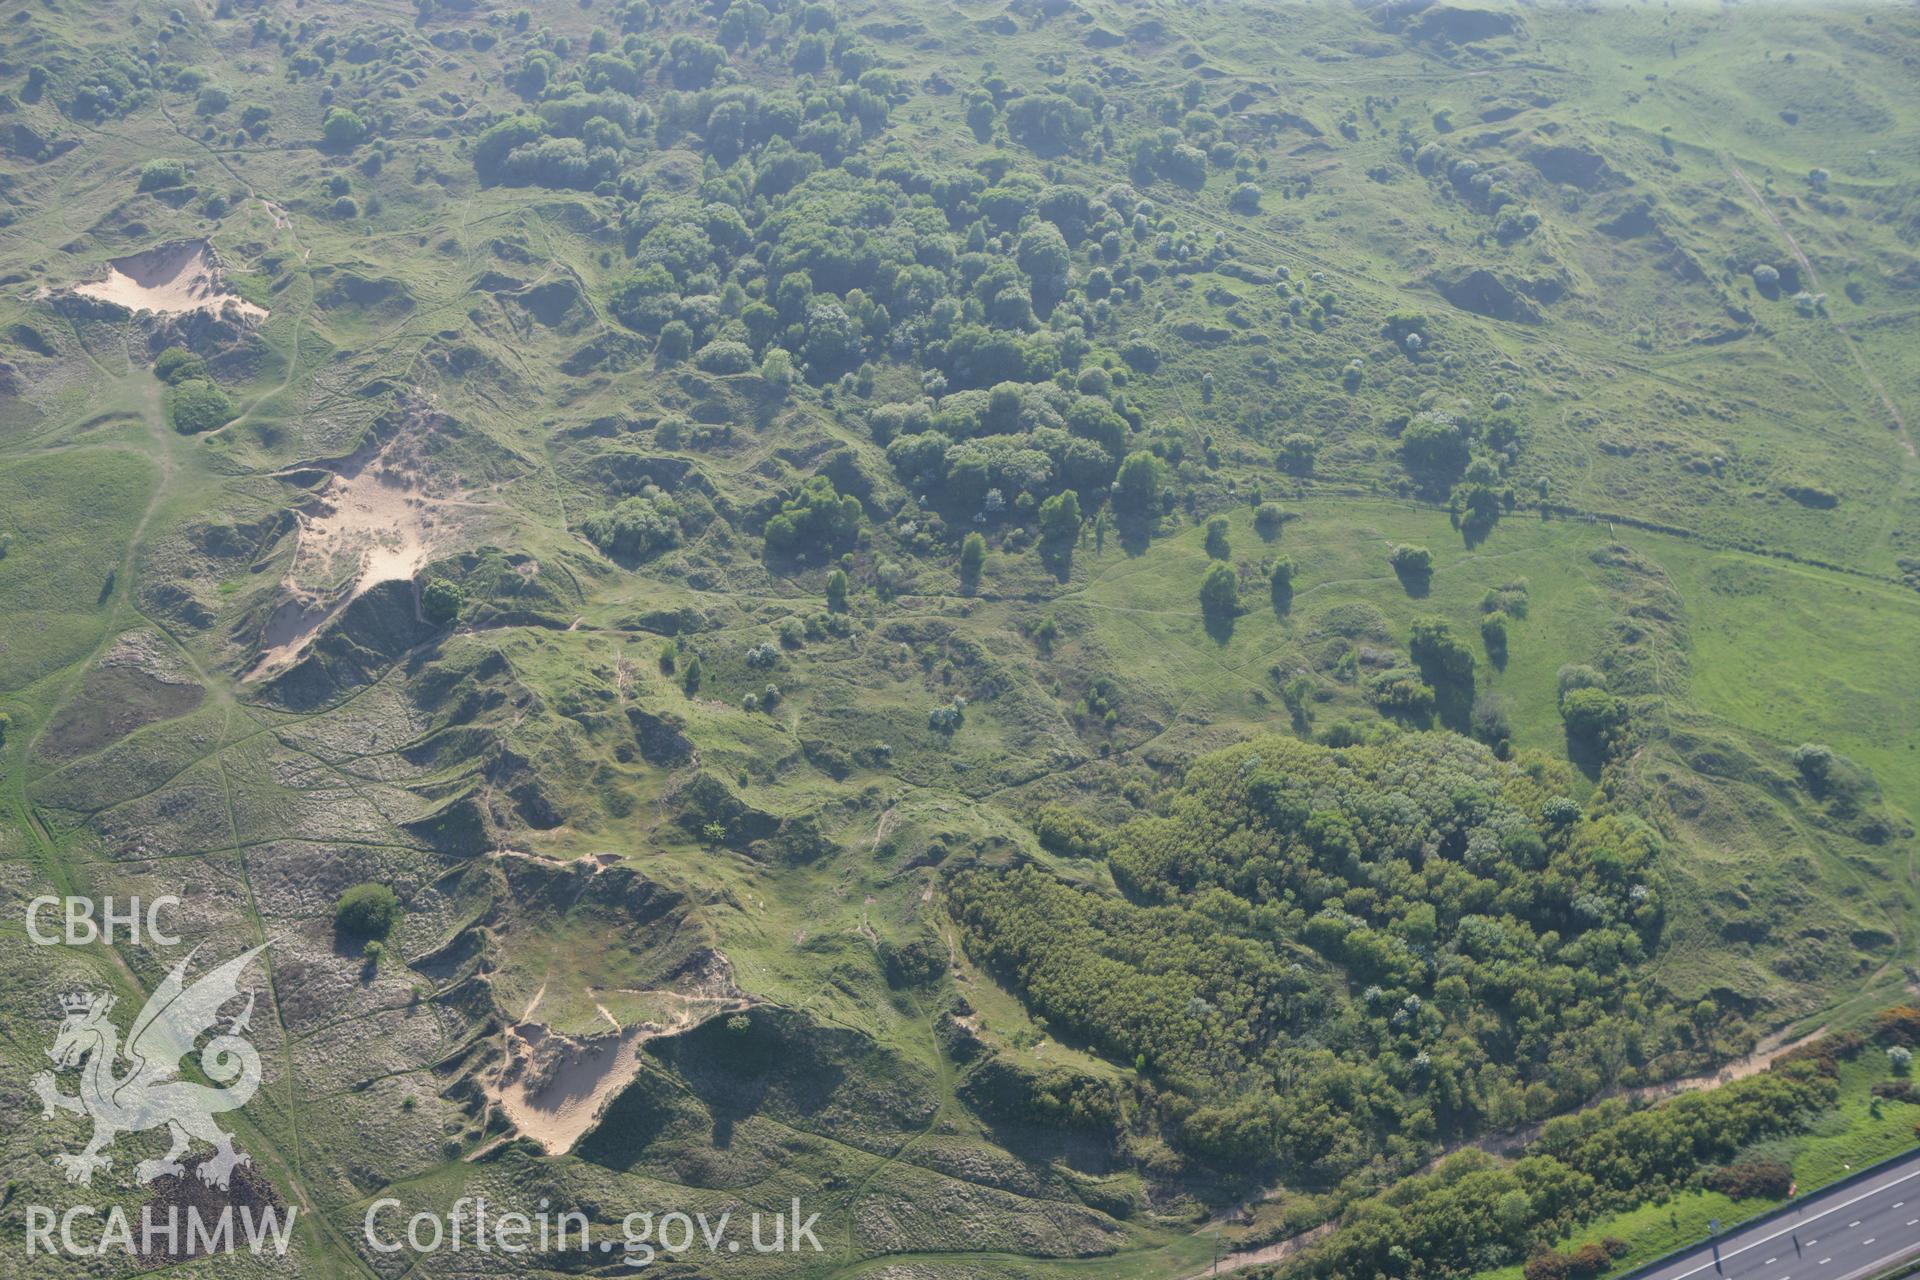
441 601
1748 1179
177 364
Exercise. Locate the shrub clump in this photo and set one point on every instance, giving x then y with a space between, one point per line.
196 405
176 365
1760 1177
367 910
634 530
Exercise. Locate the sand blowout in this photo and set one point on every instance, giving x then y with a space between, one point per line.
170 279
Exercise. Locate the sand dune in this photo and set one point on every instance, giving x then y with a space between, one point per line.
553 1087
171 279
372 521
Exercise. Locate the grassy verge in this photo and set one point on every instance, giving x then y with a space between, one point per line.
1859 1130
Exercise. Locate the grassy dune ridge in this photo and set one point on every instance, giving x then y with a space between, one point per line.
580 545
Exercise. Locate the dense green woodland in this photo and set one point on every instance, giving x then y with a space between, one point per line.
1330 955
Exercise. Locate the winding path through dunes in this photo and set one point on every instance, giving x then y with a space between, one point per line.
1266 1255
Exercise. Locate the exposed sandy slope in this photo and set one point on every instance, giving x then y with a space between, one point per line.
373 520
170 280
553 1086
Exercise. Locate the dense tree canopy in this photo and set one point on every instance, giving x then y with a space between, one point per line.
1331 953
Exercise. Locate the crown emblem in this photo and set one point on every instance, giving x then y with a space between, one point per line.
149 1093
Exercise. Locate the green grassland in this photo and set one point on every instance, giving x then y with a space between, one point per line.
1706 491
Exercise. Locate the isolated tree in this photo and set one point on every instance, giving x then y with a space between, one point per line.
634 529
1413 565
777 370
1493 634
1593 716
1296 453
973 558
1060 518
1217 547
1434 449
342 129
1269 518
1137 489
1042 254
837 591
1280 584
676 340
1045 634
1219 591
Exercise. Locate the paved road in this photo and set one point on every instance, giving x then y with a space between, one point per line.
1841 1234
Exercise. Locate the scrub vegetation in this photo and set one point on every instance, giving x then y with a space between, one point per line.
1050 625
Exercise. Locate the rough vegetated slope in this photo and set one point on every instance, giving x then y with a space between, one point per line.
1030 622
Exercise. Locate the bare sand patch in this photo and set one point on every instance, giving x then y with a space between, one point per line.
553 1086
170 279
376 518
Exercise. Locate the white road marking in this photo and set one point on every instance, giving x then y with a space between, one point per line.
1868 1194
1823 1262
1913 1222
1854 1223
1769 1262
1868 1240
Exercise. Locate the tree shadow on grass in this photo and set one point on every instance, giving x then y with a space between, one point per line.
1585 755
1135 535
1415 582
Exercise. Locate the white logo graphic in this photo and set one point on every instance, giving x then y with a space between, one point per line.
149 1094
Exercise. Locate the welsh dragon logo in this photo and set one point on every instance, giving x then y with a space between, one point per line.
148 1093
